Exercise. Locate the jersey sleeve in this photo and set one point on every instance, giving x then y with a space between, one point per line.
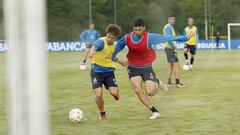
99 44
197 34
98 35
154 38
82 36
121 43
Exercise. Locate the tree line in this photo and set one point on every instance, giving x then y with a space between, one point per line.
67 18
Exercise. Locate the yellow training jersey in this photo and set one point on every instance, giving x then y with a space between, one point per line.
104 57
168 30
193 40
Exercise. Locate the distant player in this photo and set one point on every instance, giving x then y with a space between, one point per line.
102 72
140 58
191 45
171 53
88 36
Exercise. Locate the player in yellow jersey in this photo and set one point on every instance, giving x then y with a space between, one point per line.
190 45
103 67
171 53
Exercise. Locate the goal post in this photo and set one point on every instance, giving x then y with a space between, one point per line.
229 33
25 30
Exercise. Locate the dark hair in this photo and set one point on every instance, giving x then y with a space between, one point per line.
138 22
113 29
172 15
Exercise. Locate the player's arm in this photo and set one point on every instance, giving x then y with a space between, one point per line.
197 36
154 38
123 63
121 43
98 46
184 32
98 35
82 36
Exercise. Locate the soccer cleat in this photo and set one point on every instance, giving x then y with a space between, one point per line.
163 86
179 85
169 84
187 62
102 117
155 115
191 66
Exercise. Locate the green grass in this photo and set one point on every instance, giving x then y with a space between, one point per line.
208 106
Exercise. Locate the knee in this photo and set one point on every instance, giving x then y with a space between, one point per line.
151 93
98 95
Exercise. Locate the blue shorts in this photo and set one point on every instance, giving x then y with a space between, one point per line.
105 78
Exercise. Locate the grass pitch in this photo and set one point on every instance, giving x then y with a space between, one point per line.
209 105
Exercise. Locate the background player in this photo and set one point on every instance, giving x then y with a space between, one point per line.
190 45
88 36
102 72
171 53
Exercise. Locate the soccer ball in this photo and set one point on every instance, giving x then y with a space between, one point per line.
75 115
82 67
186 67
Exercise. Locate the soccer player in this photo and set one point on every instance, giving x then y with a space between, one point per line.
191 44
88 36
171 53
140 58
102 72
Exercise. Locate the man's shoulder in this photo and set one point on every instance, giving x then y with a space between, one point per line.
167 25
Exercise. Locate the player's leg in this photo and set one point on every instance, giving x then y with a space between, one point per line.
136 83
169 73
97 81
186 53
100 103
176 73
110 83
193 53
176 68
170 55
137 87
85 56
152 83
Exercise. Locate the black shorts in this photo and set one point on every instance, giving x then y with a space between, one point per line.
146 73
106 78
192 48
171 55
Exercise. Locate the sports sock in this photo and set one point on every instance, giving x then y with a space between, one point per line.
102 113
177 81
169 81
84 61
153 109
192 60
186 56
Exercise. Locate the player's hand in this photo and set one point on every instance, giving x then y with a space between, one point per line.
124 63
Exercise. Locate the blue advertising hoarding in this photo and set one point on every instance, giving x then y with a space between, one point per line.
79 46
